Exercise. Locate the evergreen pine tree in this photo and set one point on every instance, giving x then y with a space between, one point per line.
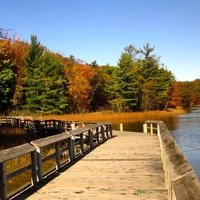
46 83
124 81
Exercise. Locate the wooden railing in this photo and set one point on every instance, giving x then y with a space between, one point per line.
62 148
180 179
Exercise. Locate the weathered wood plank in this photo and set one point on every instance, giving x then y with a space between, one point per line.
50 140
117 169
14 152
179 164
181 180
187 187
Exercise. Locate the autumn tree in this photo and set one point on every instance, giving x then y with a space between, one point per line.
33 77
99 95
19 51
175 97
189 92
7 75
196 91
80 86
185 91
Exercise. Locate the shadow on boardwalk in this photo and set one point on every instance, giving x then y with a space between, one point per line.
127 167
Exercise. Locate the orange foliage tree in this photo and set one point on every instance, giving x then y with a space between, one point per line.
176 98
80 87
6 74
19 50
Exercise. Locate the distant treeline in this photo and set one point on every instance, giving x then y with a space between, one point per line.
35 79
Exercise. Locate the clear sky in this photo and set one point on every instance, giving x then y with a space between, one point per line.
100 29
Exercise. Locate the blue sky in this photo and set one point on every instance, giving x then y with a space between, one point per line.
100 29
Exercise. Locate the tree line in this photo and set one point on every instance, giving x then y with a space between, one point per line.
35 79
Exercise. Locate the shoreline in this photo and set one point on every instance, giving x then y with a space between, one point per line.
108 116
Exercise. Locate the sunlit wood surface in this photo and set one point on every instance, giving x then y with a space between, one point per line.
127 166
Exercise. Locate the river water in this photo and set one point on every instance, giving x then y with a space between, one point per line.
184 128
186 131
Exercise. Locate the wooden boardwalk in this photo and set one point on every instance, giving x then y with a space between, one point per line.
123 166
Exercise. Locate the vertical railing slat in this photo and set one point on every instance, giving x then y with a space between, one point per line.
34 167
3 191
81 143
71 149
39 164
90 138
58 155
103 133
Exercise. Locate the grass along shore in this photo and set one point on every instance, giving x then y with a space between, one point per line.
110 117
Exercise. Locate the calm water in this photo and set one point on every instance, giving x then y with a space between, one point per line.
186 131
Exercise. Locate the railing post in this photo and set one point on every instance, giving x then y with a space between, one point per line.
81 143
71 148
103 133
111 134
158 129
33 167
58 155
145 128
3 191
121 127
97 134
73 126
39 162
91 138
151 128
161 145
107 131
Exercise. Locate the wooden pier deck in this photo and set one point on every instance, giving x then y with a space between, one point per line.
128 166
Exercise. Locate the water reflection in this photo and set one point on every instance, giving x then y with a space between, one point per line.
136 126
187 136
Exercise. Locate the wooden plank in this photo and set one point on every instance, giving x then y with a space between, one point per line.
50 140
181 180
187 187
178 164
58 155
18 171
79 131
14 152
3 191
34 168
117 169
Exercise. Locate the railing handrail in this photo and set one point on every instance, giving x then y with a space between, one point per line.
94 134
181 180
11 153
